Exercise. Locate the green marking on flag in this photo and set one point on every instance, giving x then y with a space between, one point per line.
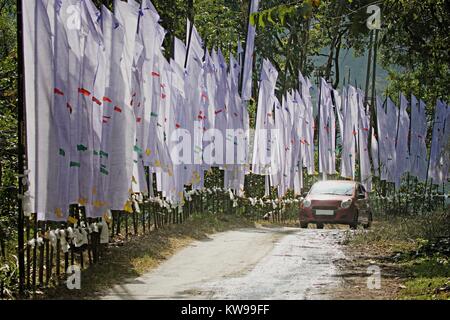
153 114
104 171
62 152
81 147
103 154
75 164
137 149
96 153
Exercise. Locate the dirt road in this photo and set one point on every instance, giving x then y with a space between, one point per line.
263 263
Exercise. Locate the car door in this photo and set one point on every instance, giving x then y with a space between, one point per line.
362 202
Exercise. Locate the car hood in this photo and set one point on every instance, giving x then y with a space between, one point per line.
327 197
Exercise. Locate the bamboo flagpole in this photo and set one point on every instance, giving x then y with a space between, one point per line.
21 145
191 28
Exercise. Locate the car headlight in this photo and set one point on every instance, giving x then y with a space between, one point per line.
345 204
306 203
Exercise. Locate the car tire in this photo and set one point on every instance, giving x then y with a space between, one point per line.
354 225
303 225
319 226
369 222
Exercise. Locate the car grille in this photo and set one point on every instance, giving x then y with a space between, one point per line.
324 207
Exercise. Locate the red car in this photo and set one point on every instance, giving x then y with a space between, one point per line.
336 202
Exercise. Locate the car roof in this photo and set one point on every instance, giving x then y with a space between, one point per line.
337 181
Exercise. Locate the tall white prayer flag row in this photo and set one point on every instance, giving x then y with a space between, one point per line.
103 103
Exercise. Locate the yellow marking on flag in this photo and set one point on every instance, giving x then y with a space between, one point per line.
72 220
58 213
127 207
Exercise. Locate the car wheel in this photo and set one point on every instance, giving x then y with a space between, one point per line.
303 225
354 225
319 225
369 222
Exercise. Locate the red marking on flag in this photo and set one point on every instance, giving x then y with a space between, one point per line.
218 111
155 74
117 109
204 96
354 132
162 85
177 125
163 96
235 114
84 92
366 129
96 101
138 120
106 99
106 119
58 92
69 107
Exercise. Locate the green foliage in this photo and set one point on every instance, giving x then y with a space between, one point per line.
414 46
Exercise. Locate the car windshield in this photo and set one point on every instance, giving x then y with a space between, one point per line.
334 188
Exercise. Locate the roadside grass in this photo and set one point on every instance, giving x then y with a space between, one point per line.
430 278
143 253
418 246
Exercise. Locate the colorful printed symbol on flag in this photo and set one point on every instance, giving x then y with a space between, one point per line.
117 109
137 149
75 164
106 99
81 147
62 152
127 207
72 220
155 74
58 213
84 92
103 170
95 100
58 92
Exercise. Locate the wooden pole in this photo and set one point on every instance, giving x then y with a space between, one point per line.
191 27
21 114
